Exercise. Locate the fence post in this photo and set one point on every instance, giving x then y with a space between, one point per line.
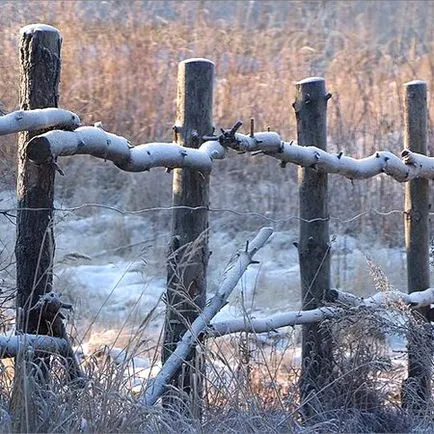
188 252
34 249
417 387
313 248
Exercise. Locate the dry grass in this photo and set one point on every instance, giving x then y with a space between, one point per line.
251 386
119 67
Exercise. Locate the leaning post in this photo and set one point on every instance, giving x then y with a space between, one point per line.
188 251
313 247
417 387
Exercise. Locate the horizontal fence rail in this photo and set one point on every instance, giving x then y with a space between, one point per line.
38 119
96 142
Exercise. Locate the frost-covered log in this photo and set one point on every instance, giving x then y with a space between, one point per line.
273 322
232 274
410 166
11 345
101 144
38 119
416 299
347 303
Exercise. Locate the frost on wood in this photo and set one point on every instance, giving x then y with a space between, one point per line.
344 301
39 119
11 345
232 274
410 166
101 144
32 28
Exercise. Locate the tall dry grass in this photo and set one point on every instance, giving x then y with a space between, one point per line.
119 67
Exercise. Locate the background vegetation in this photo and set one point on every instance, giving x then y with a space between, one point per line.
119 67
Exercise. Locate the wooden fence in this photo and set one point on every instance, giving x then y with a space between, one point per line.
193 155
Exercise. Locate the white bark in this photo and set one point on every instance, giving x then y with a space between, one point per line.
410 166
34 120
101 144
232 274
10 345
346 300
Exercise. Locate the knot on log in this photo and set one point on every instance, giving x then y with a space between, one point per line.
227 137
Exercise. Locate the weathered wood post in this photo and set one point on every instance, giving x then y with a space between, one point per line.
417 387
188 253
34 249
313 248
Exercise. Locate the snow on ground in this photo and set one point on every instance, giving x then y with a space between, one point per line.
111 266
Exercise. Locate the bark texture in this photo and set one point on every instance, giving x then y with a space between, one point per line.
314 255
39 73
188 252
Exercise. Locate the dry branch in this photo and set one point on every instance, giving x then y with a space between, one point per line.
232 274
38 119
346 301
101 144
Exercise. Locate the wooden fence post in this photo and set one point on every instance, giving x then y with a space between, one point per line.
313 248
188 252
34 249
417 387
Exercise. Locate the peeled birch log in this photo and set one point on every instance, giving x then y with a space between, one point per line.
412 165
39 119
232 274
101 144
380 300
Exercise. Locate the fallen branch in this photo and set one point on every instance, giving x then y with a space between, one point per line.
232 274
101 144
34 120
346 302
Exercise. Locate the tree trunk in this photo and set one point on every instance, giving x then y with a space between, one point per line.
188 253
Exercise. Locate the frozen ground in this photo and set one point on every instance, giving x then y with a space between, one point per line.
111 266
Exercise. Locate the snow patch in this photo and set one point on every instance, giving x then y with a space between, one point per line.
32 28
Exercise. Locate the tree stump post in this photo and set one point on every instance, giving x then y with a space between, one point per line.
188 251
417 387
313 247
